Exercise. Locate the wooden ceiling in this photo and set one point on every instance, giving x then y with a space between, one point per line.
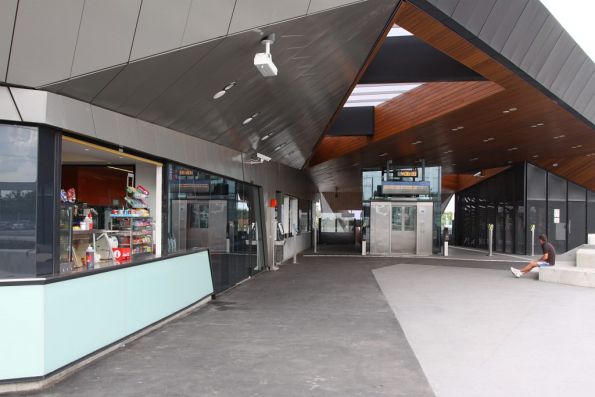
420 124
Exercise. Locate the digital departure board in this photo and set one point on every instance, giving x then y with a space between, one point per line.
406 172
406 188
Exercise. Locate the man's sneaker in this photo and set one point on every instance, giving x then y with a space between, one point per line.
517 273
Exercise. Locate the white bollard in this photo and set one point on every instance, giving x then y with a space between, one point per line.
227 245
364 248
294 259
446 248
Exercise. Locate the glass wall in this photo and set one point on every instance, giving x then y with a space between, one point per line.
590 212
18 191
224 215
488 203
553 206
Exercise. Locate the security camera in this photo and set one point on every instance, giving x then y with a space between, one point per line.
264 60
262 157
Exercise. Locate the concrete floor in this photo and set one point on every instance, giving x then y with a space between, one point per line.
482 332
323 327
319 328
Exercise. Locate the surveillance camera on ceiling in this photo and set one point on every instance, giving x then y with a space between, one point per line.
263 157
264 60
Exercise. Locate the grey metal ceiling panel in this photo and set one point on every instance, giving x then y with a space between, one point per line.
249 14
525 31
575 88
501 22
105 35
556 60
8 9
160 27
542 45
147 134
44 41
88 87
106 125
473 14
590 110
8 110
446 6
318 57
322 5
141 82
208 19
568 72
586 95
69 114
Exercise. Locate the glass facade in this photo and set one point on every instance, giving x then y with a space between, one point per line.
533 197
224 215
28 215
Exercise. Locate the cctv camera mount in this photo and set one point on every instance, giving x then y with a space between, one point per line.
267 41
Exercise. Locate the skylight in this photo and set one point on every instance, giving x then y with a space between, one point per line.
398 31
576 17
375 94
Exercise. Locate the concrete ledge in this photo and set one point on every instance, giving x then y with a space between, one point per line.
569 275
585 257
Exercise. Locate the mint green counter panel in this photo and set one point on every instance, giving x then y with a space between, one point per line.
21 331
85 314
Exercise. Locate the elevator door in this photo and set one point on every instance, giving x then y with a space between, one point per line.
403 229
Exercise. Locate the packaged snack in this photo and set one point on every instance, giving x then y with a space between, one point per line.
63 196
141 189
71 195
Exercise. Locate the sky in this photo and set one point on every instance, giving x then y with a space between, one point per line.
576 16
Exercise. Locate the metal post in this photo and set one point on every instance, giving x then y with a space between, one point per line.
295 258
364 250
532 240
490 238
315 231
446 248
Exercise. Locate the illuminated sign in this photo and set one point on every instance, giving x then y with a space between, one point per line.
406 188
185 172
406 173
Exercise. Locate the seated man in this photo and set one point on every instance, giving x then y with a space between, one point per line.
547 259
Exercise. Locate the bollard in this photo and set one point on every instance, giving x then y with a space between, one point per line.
315 231
364 248
227 245
532 240
490 238
294 259
446 248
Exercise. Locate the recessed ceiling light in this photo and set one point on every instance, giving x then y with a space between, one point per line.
590 154
267 136
512 149
555 164
513 109
576 146
488 139
540 124
535 156
279 147
222 92
509 161
355 164
219 94
249 119
454 164
87 149
383 154
457 128
560 136
416 142
474 159
448 151
506 111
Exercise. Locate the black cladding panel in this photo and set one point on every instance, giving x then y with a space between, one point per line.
354 121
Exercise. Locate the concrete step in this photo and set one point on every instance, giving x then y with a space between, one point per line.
569 275
585 257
